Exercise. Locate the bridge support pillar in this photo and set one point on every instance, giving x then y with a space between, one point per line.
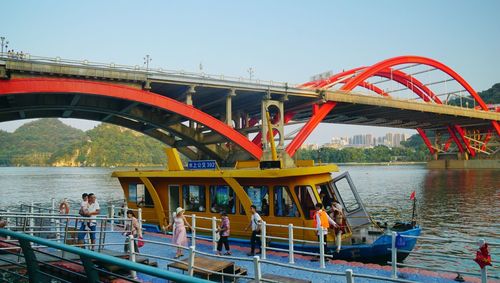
189 95
229 111
276 122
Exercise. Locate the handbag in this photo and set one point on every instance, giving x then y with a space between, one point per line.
140 243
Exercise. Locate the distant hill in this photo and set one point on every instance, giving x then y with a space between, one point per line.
34 142
49 142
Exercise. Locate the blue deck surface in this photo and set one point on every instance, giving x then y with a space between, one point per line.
239 251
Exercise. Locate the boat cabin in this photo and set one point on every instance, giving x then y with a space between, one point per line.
281 195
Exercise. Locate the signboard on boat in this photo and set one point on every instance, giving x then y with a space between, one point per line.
202 164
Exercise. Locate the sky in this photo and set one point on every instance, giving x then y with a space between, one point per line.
280 40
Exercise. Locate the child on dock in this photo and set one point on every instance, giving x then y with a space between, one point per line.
224 234
135 230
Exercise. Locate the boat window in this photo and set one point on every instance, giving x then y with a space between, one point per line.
259 197
222 198
325 194
137 193
283 203
193 197
307 200
346 195
132 192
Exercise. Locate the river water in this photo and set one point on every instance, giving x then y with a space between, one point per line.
459 204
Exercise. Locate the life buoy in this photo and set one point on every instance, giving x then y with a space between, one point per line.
64 207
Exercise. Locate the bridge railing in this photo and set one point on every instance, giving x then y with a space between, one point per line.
68 229
140 69
64 263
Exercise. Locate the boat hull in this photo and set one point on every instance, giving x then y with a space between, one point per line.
377 252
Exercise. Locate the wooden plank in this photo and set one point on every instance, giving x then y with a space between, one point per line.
202 262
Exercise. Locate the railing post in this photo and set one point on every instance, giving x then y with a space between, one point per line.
139 215
348 276
290 244
52 213
256 266
214 233
484 273
7 224
112 216
124 214
131 250
32 220
191 261
263 235
394 256
321 247
193 232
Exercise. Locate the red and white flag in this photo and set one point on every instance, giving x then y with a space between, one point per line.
412 196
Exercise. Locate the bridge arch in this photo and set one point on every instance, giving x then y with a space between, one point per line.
150 123
358 76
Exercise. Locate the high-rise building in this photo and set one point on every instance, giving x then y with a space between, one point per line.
388 139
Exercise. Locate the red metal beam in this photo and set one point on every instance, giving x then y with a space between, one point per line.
258 138
461 132
50 85
454 137
369 72
486 140
426 140
448 144
309 127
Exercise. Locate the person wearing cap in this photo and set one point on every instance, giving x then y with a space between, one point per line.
224 234
179 232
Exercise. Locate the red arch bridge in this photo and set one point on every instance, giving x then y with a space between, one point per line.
217 117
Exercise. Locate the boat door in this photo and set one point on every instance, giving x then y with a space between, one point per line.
348 196
173 197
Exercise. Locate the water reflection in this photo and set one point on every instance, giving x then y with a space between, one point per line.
459 204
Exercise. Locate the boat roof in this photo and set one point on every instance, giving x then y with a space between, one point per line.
231 172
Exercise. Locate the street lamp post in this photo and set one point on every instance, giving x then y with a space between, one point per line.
5 43
147 59
250 72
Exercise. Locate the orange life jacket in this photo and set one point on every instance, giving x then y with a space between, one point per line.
323 218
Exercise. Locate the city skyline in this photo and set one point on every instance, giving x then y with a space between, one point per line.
391 139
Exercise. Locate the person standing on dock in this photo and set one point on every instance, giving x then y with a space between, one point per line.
224 234
133 229
84 226
179 232
93 210
323 220
255 221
